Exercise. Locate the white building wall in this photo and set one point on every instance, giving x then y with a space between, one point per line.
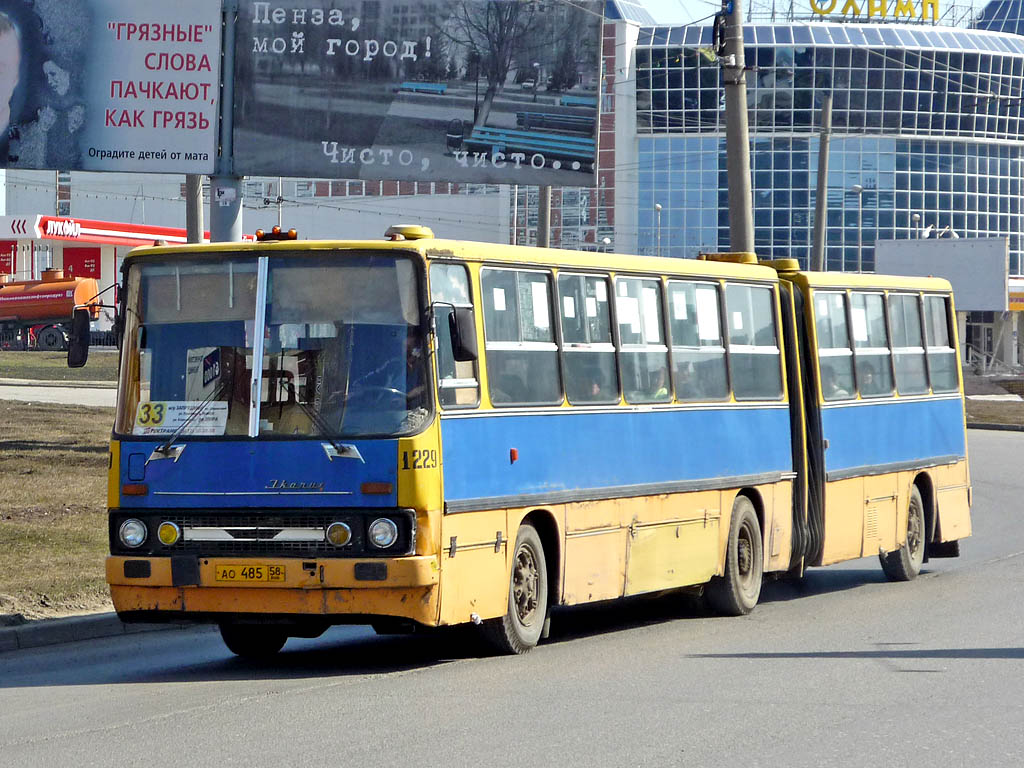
156 199
482 217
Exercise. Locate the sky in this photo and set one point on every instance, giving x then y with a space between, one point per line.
680 11
687 11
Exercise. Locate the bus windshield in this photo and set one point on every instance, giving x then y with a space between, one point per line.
342 351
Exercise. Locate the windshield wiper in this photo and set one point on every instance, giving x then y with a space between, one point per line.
318 420
165 447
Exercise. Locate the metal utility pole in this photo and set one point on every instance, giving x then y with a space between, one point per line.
225 186
280 199
657 213
194 208
737 138
544 218
818 249
859 191
515 213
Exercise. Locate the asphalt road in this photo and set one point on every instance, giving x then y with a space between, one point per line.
844 669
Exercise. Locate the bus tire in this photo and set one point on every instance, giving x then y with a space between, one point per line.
904 563
253 641
520 629
736 591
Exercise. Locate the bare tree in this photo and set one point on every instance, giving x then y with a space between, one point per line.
491 32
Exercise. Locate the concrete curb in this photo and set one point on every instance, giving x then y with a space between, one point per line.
70 384
36 634
997 427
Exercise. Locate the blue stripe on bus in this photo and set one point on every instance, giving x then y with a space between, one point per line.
237 474
578 451
892 431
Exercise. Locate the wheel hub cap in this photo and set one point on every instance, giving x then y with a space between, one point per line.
524 587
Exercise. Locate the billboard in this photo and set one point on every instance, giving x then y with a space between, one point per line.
977 268
109 85
489 91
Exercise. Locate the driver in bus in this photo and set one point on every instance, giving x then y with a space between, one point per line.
398 375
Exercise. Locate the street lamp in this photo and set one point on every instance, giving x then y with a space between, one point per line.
657 211
858 190
536 78
917 223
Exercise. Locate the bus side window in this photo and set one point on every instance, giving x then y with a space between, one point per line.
458 386
698 350
588 356
835 358
643 354
872 357
907 344
754 359
521 354
941 354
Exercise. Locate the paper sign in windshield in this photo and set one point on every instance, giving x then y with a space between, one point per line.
166 418
202 372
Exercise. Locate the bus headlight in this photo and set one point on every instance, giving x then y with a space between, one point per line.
168 533
133 533
383 532
339 534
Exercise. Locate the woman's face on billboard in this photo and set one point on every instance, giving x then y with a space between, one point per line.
10 71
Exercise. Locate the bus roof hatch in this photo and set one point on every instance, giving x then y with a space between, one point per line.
408 232
737 257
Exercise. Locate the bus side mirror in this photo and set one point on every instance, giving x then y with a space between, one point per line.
78 344
462 326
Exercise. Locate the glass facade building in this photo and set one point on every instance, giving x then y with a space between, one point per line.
927 137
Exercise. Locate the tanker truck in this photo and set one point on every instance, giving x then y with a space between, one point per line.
36 314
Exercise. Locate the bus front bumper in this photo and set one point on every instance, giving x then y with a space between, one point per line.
208 589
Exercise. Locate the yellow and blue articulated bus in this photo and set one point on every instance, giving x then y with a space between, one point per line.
416 432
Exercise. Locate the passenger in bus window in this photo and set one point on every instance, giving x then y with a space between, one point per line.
868 384
507 383
830 386
661 383
599 389
687 384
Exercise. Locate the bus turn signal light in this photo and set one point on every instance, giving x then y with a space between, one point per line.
134 489
276 234
376 489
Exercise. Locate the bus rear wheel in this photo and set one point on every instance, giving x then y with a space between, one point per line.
520 629
905 563
736 591
253 641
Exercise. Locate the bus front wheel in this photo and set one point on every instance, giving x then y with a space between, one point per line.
520 629
253 641
905 563
736 591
